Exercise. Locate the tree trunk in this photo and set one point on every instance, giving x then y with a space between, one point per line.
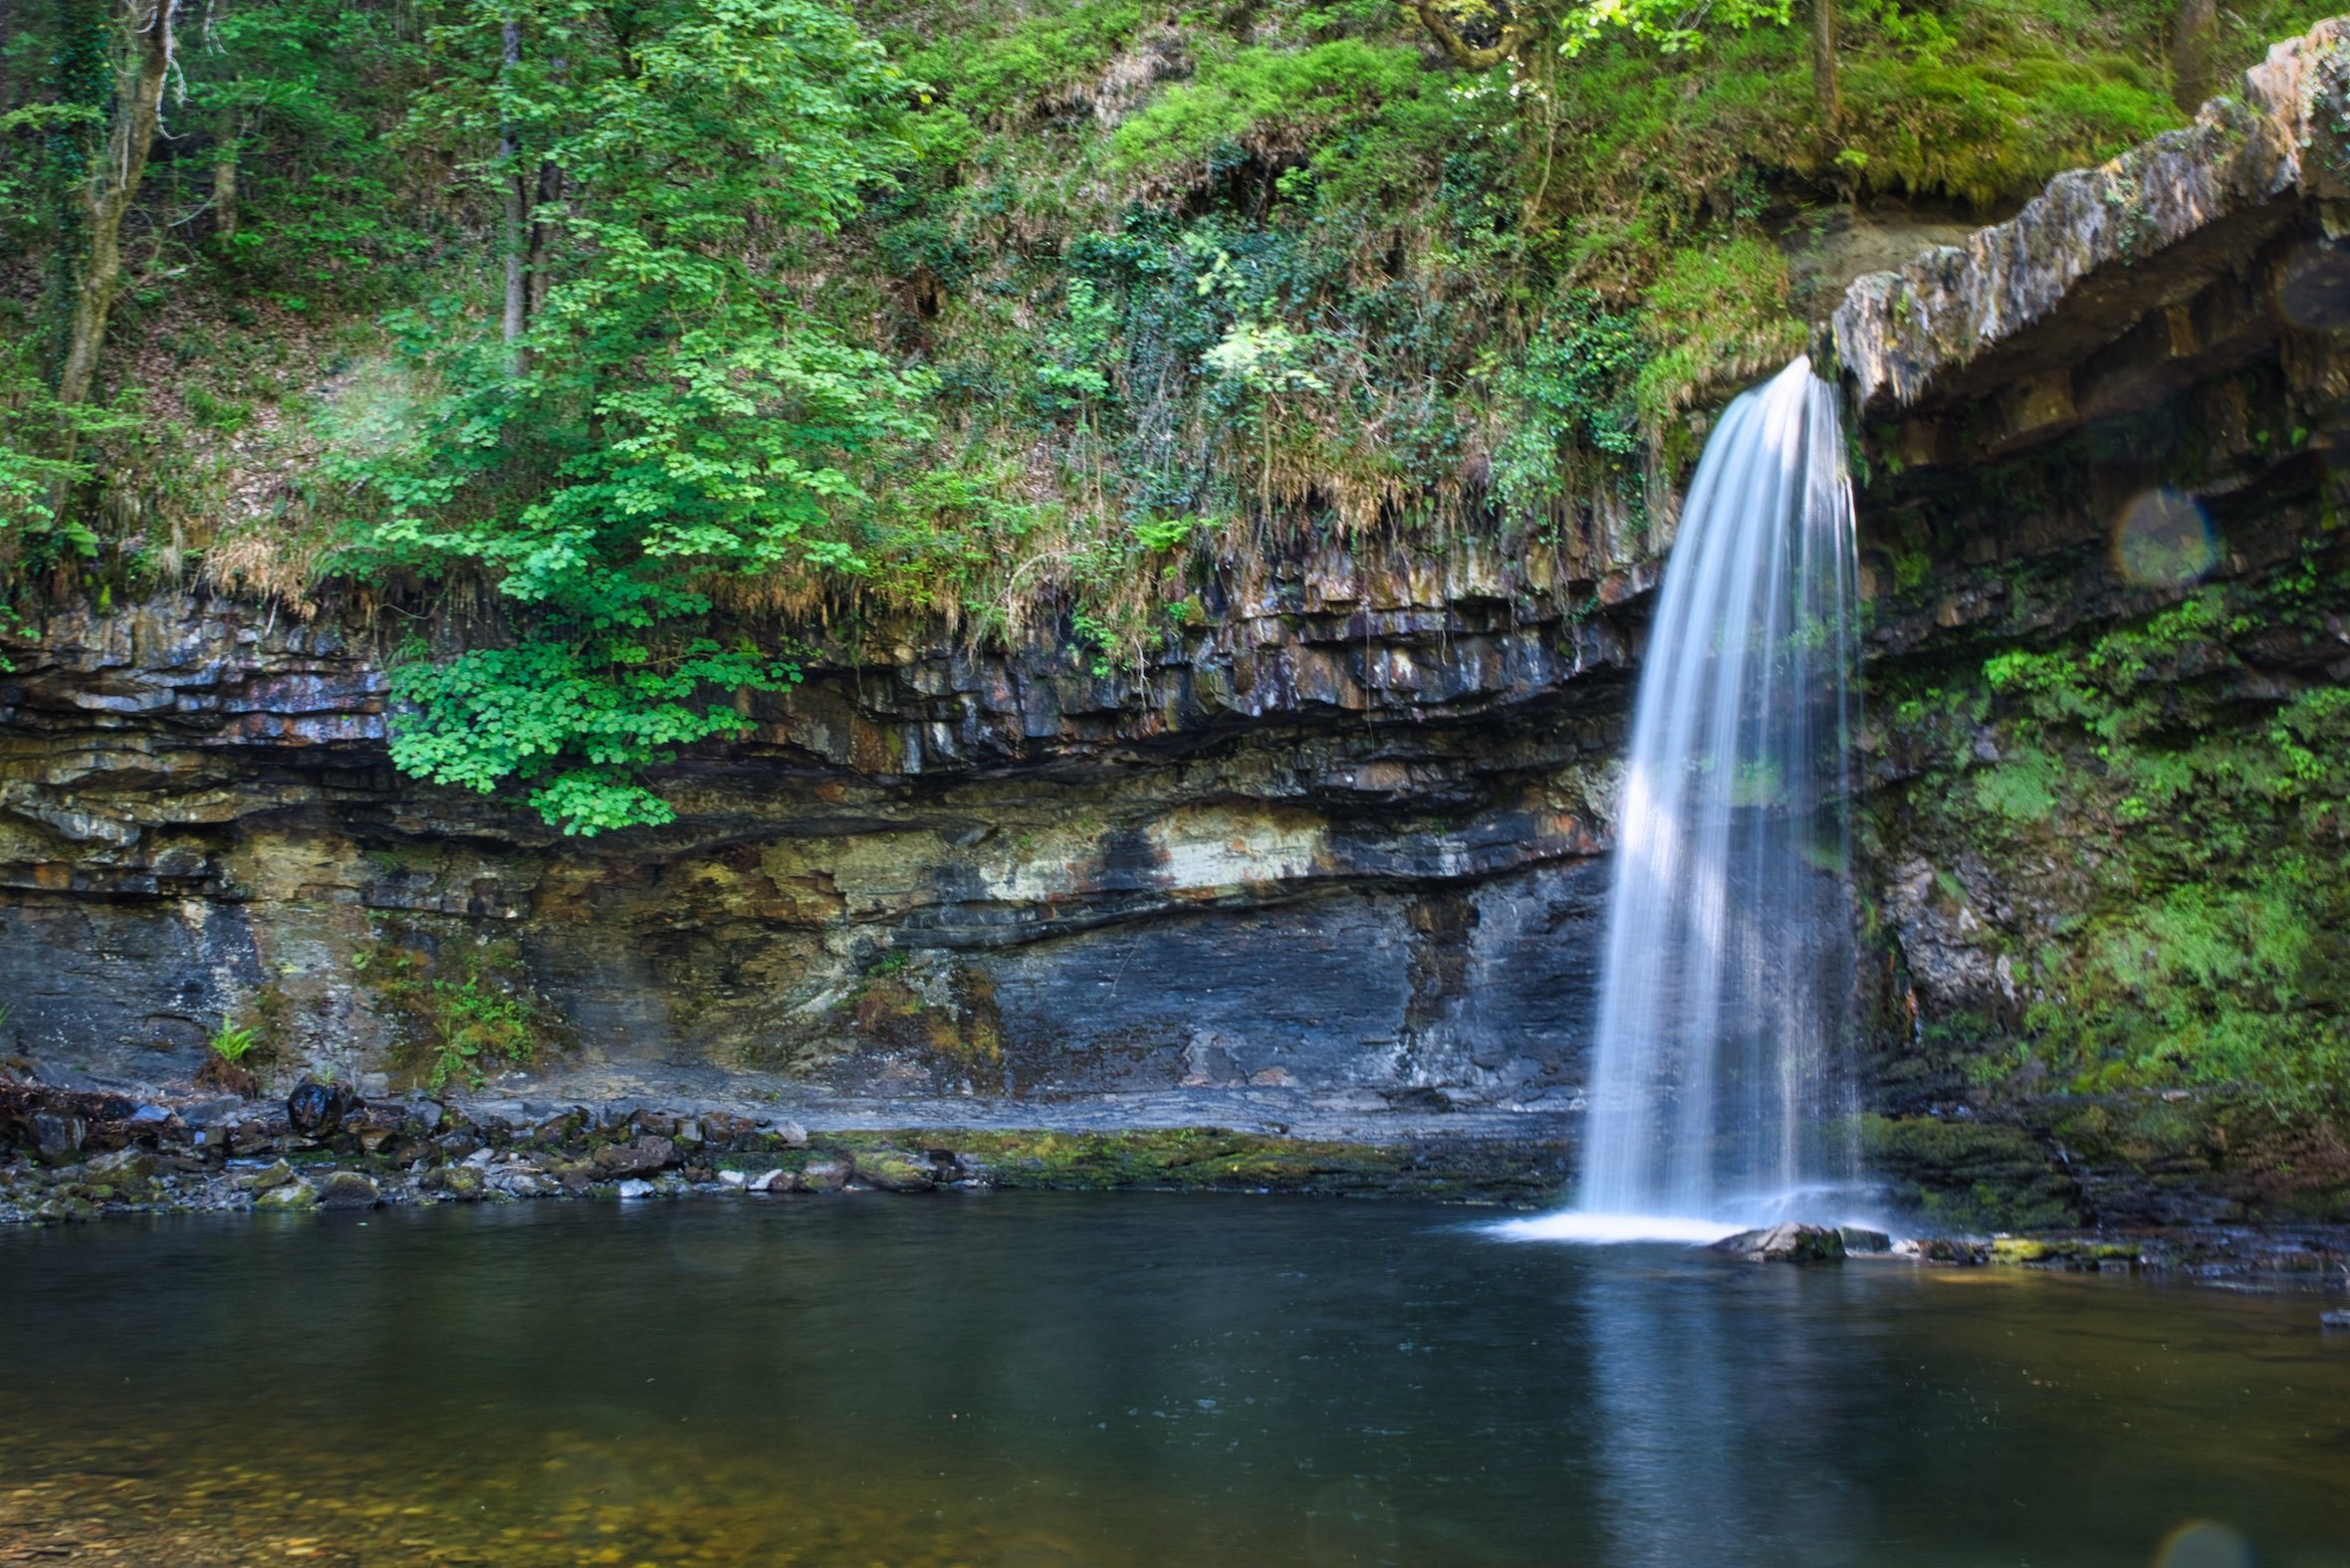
541 243
517 313
1826 98
114 187
224 179
2193 40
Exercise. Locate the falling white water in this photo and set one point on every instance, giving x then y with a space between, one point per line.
1718 1097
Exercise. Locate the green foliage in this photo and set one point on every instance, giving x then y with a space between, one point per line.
1718 315
232 1043
672 415
1037 59
2200 941
1268 97
585 717
463 1027
1569 392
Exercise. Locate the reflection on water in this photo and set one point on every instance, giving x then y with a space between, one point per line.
1027 1379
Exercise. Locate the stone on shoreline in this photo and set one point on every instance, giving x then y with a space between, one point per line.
1786 1243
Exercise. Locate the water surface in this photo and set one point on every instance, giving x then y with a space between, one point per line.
1132 1379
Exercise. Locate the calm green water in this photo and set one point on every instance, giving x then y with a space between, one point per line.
1038 1380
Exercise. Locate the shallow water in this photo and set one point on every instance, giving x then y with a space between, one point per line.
1033 1379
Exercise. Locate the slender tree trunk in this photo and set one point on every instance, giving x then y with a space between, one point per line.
517 313
224 178
2193 40
1826 96
542 242
114 187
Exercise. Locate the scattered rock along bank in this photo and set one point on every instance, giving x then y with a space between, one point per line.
75 1154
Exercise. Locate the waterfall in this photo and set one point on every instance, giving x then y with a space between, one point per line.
1724 1008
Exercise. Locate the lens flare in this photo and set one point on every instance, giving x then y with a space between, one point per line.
2200 1543
2163 540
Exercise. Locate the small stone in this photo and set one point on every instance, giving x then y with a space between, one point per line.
292 1195
264 1179
733 1179
824 1176
635 1187
792 1133
774 1182
1786 1243
349 1190
894 1172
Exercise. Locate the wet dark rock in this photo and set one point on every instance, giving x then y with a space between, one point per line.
894 1171
347 1190
268 1177
318 1109
57 1136
1786 1243
1951 1250
1858 1238
637 1156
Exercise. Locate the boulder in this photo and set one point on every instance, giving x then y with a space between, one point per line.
2334 1322
59 1136
1786 1243
645 1153
824 1176
318 1109
347 1190
292 1195
774 1182
462 1182
1858 1238
267 1178
894 1170
634 1188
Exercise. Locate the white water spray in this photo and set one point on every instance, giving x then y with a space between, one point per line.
1719 1088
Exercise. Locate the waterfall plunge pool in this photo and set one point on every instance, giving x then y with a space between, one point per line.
1039 1379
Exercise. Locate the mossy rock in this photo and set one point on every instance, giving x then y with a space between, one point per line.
894 1171
1970 1176
292 1197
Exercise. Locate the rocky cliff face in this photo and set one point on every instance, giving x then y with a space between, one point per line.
1333 865
2102 540
1334 862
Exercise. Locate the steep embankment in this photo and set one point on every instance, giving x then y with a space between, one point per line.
1330 862
2108 581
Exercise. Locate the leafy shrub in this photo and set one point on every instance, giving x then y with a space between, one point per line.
463 1028
1268 100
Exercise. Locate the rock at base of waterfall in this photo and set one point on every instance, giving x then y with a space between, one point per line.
1786 1243
1859 1239
634 1189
